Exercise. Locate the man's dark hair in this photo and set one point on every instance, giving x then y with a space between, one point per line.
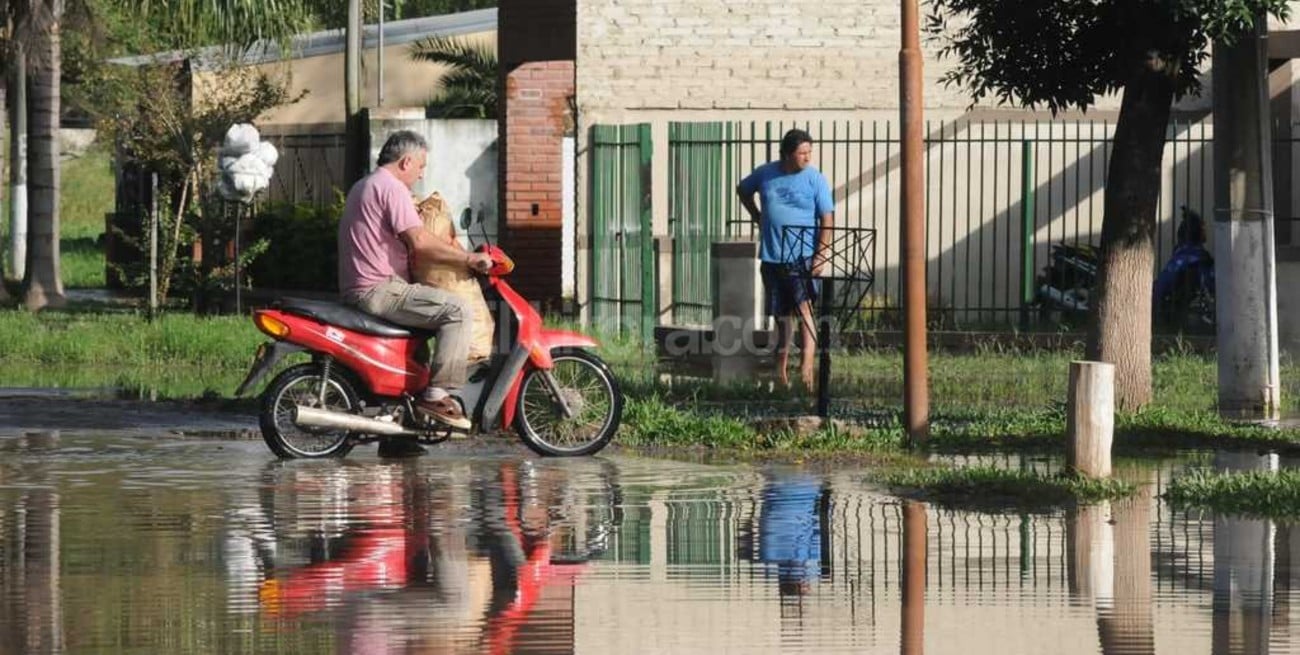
400 144
792 140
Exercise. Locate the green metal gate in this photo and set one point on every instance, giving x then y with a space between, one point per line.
622 278
699 202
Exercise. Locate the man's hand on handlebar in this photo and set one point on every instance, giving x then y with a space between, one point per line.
478 262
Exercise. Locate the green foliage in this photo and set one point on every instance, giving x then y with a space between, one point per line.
1066 53
469 87
239 23
988 488
333 14
302 252
1272 494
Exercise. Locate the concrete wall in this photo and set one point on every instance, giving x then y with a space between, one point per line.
407 83
462 163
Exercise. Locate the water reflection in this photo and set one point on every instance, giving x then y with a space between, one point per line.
33 611
114 544
1243 570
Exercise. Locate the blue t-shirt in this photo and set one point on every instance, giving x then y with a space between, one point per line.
788 199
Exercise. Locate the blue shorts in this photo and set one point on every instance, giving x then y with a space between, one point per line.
786 286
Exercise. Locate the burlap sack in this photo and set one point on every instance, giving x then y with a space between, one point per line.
456 279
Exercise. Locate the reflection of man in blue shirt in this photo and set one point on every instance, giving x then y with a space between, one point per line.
790 530
798 210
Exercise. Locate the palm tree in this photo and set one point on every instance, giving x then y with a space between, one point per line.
38 25
469 86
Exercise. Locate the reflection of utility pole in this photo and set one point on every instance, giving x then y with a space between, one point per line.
1246 287
916 396
912 641
1243 572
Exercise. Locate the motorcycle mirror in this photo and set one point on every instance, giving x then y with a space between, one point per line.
466 219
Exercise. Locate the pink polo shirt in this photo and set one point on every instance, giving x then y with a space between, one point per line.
379 208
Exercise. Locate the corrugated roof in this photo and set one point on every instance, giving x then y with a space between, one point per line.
331 41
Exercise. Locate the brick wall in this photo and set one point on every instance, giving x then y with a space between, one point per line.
535 120
758 54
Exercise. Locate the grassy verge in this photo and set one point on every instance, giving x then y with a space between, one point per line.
184 356
998 489
1269 494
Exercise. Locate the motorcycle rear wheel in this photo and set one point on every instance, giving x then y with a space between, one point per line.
301 385
593 395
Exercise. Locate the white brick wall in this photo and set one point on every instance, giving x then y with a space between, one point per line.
754 55
745 54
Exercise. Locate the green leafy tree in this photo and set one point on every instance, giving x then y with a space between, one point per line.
1065 54
469 85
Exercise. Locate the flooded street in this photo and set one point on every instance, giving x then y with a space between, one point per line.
133 542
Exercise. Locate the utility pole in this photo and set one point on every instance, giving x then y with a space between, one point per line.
1246 284
916 393
354 155
379 68
18 165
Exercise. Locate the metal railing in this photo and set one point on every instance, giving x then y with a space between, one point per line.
998 195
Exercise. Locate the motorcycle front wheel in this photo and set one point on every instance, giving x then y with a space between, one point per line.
592 395
301 385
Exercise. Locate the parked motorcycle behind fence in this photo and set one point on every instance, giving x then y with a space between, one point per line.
1182 296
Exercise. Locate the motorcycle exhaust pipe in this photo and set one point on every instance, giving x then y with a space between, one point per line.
324 418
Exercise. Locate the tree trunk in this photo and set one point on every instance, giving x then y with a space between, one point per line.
43 286
1120 325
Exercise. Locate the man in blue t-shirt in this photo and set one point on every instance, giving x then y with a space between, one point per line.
794 225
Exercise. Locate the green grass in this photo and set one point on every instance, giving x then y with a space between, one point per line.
71 338
992 488
1271 494
85 195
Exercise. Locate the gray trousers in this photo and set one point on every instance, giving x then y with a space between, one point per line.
425 308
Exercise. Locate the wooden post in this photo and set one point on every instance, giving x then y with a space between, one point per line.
1090 418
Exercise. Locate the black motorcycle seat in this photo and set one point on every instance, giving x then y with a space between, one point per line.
346 317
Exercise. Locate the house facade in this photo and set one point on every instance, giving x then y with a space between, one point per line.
698 91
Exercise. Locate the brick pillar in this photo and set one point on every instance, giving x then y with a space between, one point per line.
535 119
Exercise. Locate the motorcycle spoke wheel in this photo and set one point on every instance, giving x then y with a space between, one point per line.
302 386
588 388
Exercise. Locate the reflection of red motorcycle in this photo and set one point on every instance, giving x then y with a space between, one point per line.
390 553
365 372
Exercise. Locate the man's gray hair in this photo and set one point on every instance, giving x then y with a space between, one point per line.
400 144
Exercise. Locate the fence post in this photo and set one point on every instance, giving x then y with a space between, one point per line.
825 315
1027 212
649 308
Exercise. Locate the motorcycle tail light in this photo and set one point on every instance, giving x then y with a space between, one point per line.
271 325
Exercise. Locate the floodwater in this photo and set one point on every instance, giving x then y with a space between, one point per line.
145 542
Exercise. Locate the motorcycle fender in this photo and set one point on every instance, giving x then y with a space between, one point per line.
268 355
548 340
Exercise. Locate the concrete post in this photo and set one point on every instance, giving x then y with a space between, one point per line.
735 309
1246 292
1090 418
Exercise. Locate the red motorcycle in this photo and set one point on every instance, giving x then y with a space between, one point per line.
365 374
